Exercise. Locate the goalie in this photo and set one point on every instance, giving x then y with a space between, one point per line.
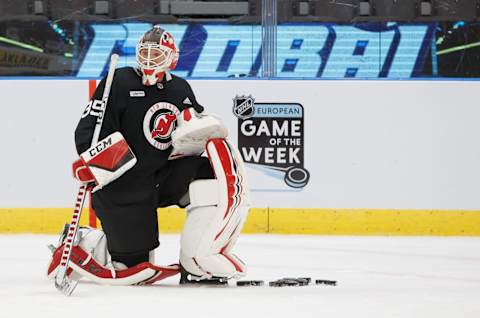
149 156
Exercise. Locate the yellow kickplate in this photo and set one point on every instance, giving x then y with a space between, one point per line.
278 221
42 220
374 222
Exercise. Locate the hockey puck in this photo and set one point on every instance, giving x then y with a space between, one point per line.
291 282
308 279
284 282
301 280
250 283
326 282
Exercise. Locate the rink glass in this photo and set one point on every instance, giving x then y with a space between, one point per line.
303 41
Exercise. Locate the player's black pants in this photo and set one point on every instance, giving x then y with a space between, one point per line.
129 215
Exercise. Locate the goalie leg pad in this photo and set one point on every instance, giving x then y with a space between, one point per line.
90 259
216 215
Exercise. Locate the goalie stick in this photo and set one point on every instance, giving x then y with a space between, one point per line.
62 282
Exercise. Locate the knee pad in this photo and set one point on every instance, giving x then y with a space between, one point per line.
216 215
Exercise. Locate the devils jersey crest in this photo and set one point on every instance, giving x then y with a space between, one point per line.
159 123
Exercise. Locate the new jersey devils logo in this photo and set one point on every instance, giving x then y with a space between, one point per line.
159 123
164 125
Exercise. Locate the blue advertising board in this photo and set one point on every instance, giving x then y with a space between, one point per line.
303 51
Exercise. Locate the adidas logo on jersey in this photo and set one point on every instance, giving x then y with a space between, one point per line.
187 101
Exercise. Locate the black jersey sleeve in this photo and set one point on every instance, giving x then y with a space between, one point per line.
88 120
199 108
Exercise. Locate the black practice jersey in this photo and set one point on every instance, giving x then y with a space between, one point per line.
146 117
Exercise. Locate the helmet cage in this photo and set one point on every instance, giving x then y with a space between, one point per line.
153 56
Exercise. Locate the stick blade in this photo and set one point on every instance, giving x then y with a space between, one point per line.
66 286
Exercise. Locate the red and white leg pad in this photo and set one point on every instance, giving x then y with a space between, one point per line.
90 259
216 215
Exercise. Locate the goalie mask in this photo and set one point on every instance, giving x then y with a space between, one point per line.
156 54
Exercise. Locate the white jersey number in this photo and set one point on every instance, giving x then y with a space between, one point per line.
94 108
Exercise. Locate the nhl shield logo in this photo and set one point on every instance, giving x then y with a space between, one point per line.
243 106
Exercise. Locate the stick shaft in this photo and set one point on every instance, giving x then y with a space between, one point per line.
106 93
61 280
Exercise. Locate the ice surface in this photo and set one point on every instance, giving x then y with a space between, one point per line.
377 277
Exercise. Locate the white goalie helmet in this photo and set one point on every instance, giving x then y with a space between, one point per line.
156 54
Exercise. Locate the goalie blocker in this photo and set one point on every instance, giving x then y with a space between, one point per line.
105 161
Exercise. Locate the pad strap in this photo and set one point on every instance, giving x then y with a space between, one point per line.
203 193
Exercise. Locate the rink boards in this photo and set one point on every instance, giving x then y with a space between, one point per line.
323 157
